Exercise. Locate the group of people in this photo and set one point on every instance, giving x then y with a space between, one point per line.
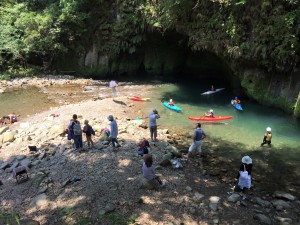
12 118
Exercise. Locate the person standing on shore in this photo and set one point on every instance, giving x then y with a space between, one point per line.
153 126
113 85
113 132
89 131
75 128
267 137
197 141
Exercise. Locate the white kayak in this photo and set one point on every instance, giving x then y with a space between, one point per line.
212 92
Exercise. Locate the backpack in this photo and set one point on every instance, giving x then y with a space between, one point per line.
77 128
90 130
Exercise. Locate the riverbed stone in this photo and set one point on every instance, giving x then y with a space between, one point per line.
148 184
166 160
4 166
234 198
3 129
284 195
173 150
283 220
20 157
57 130
263 219
261 202
25 162
281 203
8 136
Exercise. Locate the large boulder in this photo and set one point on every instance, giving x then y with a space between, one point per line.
9 136
166 160
285 196
174 151
57 130
148 184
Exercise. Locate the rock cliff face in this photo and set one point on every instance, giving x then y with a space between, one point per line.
169 56
278 90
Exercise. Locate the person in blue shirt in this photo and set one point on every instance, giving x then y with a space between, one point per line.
197 141
153 126
113 132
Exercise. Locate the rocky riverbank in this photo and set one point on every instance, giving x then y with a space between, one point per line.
99 186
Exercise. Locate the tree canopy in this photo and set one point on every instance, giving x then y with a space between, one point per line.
265 32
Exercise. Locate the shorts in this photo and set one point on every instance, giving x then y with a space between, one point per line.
153 131
196 145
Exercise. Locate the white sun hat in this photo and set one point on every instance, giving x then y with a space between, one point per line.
211 110
269 129
246 159
171 100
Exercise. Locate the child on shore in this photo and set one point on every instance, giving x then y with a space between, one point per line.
148 170
267 137
89 131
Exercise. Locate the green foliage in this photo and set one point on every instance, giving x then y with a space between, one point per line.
266 32
9 218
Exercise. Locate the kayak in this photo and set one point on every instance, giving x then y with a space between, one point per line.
212 92
207 118
136 98
174 107
237 106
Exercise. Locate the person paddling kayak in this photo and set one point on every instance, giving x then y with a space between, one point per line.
236 101
171 103
210 113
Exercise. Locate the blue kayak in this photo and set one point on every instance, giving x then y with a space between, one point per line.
237 106
174 107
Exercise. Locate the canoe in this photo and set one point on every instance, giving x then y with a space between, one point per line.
136 98
207 118
237 106
212 92
174 107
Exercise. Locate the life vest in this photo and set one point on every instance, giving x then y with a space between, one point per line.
269 137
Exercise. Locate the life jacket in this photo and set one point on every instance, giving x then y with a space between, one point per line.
269 137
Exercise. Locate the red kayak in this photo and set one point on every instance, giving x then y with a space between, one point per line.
207 118
136 98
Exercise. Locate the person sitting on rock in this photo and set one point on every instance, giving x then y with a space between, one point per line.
171 103
148 170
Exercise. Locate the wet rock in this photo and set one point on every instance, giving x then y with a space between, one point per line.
281 203
261 202
42 190
36 162
234 198
29 222
109 208
285 196
262 219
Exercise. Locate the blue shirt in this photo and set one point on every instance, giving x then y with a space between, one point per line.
199 134
113 129
152 119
